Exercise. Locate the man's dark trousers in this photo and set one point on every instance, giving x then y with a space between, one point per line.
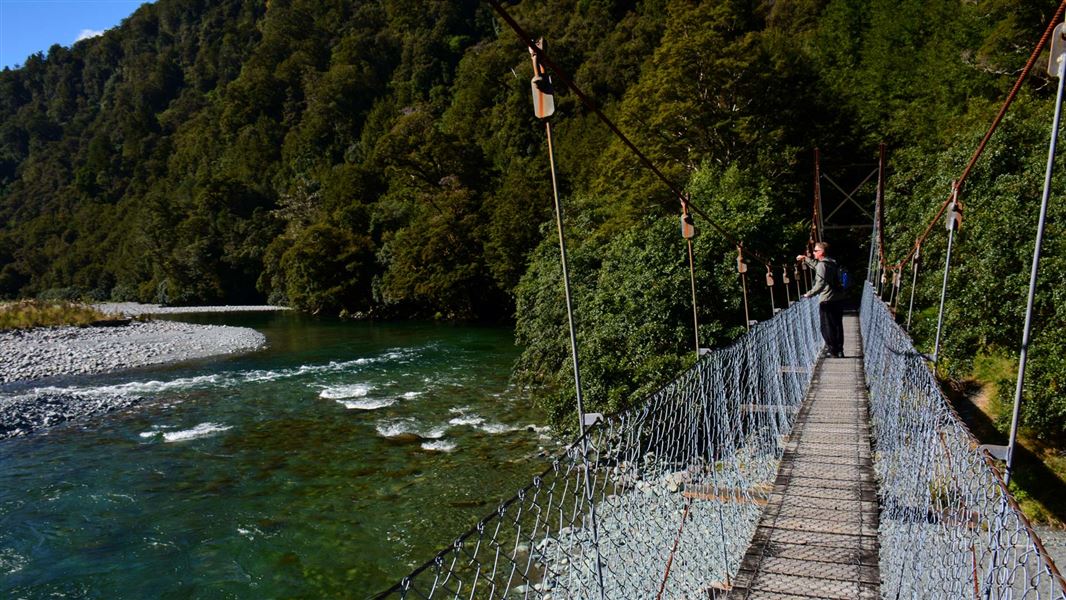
832 320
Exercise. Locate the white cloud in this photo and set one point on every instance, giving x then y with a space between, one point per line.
88 33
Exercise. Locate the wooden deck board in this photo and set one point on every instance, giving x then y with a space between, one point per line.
817 537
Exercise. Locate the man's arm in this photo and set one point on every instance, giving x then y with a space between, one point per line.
819 280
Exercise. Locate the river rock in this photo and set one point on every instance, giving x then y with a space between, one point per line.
27 413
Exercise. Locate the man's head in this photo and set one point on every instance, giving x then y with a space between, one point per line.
821 249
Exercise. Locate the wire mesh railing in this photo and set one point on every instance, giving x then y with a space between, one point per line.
677 487
949 529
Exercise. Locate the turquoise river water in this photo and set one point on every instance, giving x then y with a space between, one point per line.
326 466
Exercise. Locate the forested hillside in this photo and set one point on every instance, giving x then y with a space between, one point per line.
381 158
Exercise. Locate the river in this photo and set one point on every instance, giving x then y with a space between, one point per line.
327 465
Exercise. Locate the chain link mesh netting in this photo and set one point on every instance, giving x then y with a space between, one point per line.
676 487
948 527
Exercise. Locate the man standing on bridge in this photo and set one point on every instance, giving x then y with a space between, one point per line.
827 283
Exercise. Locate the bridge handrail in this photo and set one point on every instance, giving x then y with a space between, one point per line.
949 525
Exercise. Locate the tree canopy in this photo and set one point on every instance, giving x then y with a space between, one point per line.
381 158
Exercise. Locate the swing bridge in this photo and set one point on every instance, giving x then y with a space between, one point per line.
767 470
764 471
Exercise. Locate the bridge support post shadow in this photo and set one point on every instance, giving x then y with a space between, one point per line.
817 537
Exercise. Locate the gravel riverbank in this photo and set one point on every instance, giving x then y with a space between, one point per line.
134 309
27 356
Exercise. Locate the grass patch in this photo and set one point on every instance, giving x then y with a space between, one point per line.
994 369
26 314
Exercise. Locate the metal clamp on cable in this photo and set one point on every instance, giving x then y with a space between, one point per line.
541 84
688 227
953 217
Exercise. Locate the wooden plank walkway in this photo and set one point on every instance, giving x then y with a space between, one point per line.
818 535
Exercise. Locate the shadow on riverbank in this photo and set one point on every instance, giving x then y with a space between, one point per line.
1039 489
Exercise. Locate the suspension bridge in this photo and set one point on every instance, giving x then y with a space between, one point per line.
764 471
770 469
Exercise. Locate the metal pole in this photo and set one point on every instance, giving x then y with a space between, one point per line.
897 283
688 231
881 210
914 285
573 352
695 314
893 289
943 295
1061 59
742 268
566 282
952 224
818 225
796 276
770 284
784 281
744 287
871 276
870 263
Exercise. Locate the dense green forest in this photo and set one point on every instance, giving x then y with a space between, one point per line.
381 159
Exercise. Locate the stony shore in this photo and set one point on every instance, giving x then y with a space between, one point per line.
135 309
28 356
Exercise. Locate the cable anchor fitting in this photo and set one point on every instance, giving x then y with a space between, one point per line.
688 226
953 216
541 84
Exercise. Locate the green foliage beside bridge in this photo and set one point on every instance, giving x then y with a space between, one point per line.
381 158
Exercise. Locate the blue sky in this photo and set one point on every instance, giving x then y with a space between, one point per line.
28 26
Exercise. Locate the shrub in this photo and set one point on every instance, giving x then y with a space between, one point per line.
26 314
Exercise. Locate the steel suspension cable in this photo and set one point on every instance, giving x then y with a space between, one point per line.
816 216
